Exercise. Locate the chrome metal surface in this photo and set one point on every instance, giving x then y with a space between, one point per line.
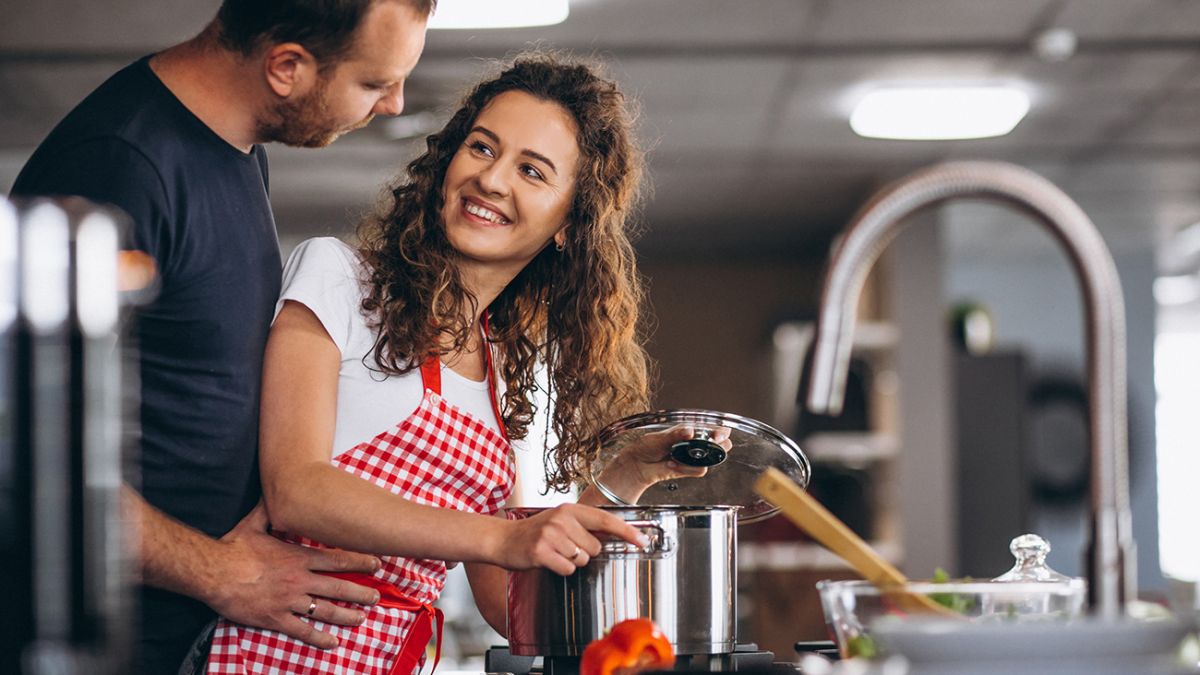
688 589
755 446
1111 554
660 544
67 577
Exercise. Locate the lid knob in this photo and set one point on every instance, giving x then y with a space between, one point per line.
1030 550
698 451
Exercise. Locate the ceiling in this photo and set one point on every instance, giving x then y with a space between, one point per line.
744 104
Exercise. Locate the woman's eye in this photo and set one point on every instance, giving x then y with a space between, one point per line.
481 147
532 172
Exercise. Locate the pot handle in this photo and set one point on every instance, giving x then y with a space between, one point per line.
660 546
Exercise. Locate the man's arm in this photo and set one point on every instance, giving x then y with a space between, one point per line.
249 576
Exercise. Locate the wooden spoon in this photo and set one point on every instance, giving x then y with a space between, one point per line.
806 512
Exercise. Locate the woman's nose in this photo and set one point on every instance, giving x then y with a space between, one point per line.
491 178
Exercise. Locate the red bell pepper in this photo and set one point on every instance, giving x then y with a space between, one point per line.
629 647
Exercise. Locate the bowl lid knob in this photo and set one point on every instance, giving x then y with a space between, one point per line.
1030 550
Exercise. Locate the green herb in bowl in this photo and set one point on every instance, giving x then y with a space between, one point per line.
861 646
956 602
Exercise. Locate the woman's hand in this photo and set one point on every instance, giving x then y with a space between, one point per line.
648 460
562 539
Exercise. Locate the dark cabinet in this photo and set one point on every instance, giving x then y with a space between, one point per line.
990 406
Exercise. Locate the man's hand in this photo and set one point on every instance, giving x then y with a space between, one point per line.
267 583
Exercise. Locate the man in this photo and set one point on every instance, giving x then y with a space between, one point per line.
174 141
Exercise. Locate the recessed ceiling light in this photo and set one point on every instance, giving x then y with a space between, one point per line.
939 113
498 13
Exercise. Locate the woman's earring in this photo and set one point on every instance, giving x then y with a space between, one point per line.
559 246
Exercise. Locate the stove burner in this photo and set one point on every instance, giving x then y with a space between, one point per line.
744 658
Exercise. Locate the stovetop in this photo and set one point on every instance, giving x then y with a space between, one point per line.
746 658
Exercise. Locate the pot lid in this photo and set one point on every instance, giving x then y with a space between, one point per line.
731 475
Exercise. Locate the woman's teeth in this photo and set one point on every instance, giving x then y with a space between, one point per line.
486 214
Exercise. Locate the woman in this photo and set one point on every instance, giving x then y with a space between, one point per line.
395 374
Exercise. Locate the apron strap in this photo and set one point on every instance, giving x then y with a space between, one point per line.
431 377
428 617
431 374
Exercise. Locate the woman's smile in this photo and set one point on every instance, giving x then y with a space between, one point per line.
478 210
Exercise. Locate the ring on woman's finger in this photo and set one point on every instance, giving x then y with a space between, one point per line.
312 606
578 551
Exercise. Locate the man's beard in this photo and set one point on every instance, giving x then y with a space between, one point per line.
304 122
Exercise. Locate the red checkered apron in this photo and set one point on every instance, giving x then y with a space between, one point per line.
439 456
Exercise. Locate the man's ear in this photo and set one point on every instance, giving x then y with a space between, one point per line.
290 69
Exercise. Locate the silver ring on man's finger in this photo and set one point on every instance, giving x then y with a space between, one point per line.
312 607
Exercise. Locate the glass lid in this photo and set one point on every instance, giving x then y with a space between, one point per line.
730 476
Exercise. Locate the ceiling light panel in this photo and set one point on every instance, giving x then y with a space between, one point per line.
476 14
939 112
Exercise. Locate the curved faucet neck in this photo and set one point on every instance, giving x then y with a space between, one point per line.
1111 561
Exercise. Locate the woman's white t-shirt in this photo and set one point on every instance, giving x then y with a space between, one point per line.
326 276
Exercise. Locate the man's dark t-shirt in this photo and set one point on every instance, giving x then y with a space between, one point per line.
199 206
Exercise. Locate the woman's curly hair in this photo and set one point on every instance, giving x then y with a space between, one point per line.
577 310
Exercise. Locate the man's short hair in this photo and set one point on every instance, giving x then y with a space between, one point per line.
324 27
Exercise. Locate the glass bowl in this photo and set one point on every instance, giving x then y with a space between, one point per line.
854 608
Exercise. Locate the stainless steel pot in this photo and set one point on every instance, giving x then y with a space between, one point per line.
685 581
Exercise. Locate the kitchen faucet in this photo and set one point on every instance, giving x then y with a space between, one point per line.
1111 551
